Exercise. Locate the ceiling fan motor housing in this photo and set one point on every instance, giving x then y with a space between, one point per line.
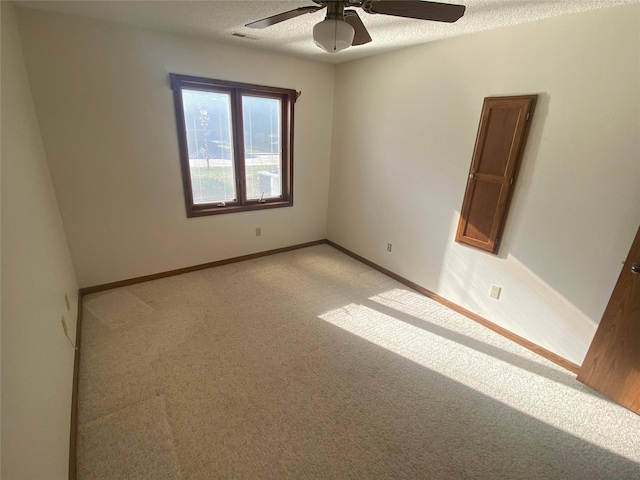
341 29
333 34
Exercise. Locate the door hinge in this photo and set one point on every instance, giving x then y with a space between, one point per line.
528 115
511 182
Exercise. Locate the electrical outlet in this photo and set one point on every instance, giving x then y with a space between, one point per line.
66 301
258 231
495 291
389 247
64 325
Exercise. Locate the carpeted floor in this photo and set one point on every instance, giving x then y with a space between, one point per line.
311 365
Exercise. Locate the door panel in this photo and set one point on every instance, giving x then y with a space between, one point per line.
502 126
481 214
612 364
502 134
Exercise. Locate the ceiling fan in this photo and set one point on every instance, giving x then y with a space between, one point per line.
343 28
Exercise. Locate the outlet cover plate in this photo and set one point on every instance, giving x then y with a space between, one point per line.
495 292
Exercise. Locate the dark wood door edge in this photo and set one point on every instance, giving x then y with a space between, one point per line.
543 352
180 271
73 433
612 361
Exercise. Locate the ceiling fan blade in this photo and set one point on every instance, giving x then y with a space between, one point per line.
439 12
281 17
362 35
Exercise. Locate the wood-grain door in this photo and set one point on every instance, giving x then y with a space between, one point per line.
612 364
502 134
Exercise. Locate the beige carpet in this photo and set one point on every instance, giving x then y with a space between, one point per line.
309 364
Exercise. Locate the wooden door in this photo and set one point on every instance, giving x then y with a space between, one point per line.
612 364
502 134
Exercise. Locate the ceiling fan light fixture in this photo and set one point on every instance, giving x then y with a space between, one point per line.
333 35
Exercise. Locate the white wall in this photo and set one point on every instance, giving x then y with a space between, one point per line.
107 119
404 130
37 359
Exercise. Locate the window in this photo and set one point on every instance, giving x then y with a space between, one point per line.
236 145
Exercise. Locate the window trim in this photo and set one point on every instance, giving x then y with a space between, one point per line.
236 90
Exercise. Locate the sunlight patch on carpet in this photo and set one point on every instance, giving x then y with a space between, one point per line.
519 378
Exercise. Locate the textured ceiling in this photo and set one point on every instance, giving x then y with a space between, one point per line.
218 20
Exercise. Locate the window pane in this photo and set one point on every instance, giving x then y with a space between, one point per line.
207 117
262 138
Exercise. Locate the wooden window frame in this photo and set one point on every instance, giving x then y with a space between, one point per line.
236 90
497 214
